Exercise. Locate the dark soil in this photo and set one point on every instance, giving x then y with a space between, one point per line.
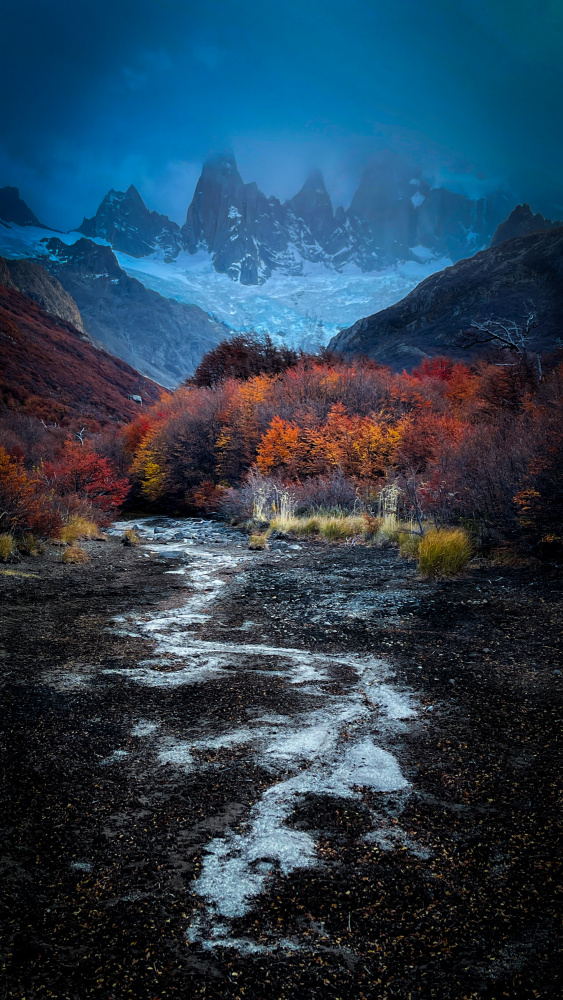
472 917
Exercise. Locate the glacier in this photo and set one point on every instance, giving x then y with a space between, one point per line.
299 310
304 310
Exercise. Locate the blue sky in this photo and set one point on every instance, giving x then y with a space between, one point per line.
102 94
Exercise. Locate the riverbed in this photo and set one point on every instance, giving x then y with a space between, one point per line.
293 773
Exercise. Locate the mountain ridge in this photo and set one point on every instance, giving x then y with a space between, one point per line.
51 370
503 281
249 235
34 281
161 338
521 222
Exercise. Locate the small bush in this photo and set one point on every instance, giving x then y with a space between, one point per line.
372 525
75 554
444 552
257 542
7 548
78 527
409 544
28 545
130 537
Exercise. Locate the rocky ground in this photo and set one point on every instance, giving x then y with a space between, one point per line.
288 774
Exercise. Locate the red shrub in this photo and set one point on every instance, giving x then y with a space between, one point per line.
24 503
81 476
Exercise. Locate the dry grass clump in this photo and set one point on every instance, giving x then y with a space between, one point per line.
75 554
28 545
78 527
336 528
389 529
301 526
444 552
7 548
130 537
332 527
257 542
409 544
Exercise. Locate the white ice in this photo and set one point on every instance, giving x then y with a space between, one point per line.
300 310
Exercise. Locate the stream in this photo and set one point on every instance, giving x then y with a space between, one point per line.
339 715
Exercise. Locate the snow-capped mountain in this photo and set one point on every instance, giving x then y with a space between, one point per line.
393 217
125 222
299 270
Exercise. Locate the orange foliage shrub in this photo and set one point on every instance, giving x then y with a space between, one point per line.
458 441
24 504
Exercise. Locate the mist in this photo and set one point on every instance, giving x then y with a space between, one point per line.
106 94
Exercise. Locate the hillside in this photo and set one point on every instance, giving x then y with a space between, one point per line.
33 280
160 337
504 281
50 370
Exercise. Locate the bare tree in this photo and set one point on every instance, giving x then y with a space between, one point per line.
505 334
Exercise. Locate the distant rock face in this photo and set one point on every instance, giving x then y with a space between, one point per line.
13 209
33 280
520 222
393 216
503 282
160 337
312 226
234 222
124 220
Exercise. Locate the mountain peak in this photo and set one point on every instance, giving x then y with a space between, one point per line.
520 222
315 182
124 220
220 164
14 209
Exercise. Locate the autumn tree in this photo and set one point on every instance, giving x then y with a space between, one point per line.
82 476
24 504
241 357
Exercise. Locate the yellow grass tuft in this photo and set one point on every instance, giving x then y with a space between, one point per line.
130 537
409 544
389 529
339 528
75 554
78 527
331 527
444 552
296 525
257 542
28 545
7 549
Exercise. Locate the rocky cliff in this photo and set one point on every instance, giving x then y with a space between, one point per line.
520 222
124 220
14 209
504 281
33 280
